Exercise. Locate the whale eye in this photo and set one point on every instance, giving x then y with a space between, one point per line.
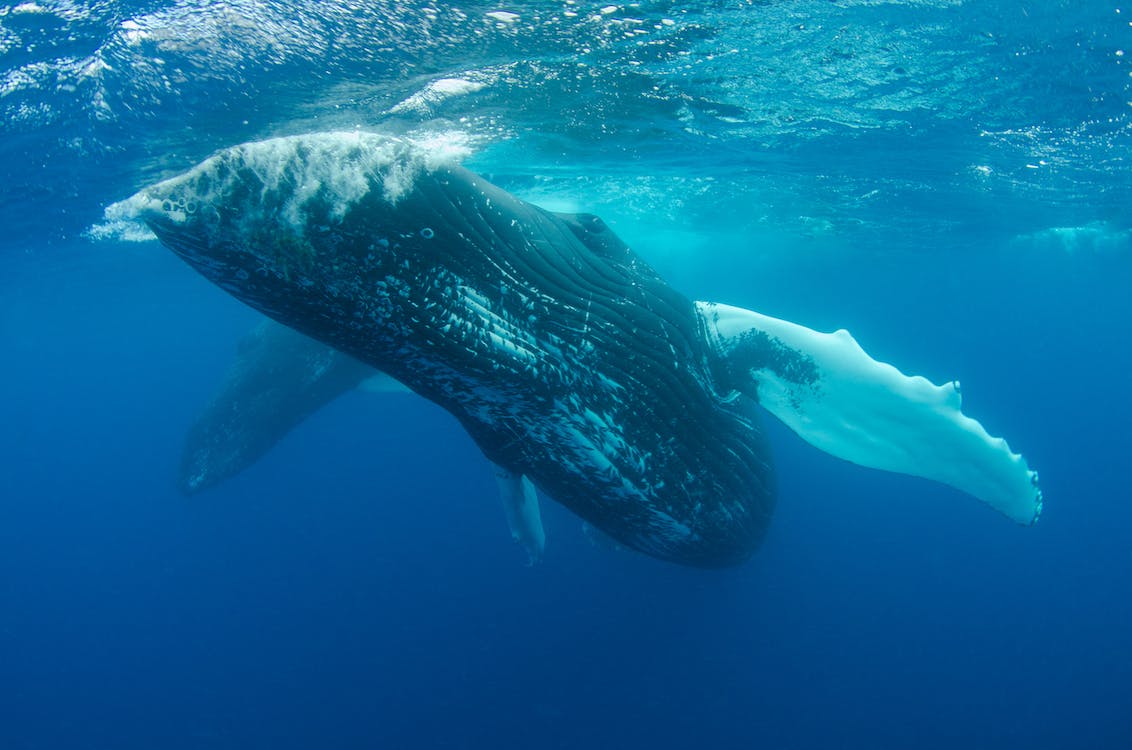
427 233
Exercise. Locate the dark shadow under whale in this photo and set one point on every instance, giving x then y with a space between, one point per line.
569 361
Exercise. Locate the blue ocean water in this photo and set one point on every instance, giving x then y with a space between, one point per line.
949 180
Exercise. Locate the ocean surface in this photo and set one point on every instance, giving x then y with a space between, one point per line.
951 181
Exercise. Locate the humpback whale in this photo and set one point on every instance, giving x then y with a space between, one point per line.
574 367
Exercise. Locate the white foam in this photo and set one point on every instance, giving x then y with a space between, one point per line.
119 229
434 93
503 16
1096 237
339 168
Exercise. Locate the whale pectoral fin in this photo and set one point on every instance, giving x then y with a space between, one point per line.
827 389
520 504
278 378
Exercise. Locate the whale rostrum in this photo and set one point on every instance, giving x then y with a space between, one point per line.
574 366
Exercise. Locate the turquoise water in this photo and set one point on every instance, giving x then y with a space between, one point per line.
948 180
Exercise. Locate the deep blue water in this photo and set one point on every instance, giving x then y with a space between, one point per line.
950 181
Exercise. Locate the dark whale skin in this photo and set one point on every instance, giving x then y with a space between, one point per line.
564 355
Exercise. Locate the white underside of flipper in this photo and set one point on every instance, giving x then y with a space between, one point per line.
827 389
520 503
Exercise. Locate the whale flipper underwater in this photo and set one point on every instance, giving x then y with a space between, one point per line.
569 361
280 377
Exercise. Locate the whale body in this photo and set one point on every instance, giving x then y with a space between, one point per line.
573 365
565 357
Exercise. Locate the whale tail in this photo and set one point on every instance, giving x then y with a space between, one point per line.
836 397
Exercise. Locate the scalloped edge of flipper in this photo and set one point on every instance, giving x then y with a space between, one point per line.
836 397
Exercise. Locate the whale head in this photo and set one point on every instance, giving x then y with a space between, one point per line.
295 222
